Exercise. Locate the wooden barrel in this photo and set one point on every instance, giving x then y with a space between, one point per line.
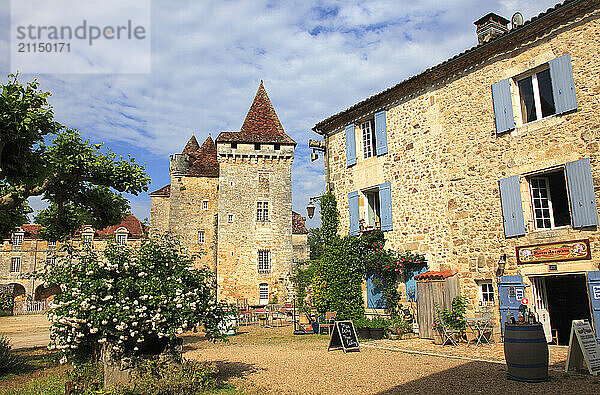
526 352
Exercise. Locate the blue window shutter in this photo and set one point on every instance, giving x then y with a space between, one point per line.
512 207
380 133
563 84
353 212
581 193
350 145
503 110
385 206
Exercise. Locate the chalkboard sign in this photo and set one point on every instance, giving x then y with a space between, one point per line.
583 348
344 337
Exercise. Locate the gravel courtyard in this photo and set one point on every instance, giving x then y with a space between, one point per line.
274 361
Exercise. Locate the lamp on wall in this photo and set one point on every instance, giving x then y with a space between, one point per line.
310 209
501 265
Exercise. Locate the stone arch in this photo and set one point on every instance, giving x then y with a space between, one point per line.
19 292
46 293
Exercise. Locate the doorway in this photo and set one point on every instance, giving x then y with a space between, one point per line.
566 300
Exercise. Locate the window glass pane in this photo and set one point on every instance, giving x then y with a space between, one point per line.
560 200
527 100
546 98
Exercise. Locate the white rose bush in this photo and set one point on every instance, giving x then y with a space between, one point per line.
132 300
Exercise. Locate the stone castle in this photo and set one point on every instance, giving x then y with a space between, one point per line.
232 199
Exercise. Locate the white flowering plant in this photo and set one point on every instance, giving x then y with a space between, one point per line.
130 299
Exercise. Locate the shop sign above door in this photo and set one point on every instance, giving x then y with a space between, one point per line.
552 252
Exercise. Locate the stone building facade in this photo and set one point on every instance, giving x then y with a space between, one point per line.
25 252
232 199
484 155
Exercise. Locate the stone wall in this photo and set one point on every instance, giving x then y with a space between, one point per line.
300 247
445 159
246 177
159 214
187 216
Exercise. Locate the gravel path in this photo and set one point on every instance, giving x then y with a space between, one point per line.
273 361
26 331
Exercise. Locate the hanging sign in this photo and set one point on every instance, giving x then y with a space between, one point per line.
583 348
344 337
551 252
524 301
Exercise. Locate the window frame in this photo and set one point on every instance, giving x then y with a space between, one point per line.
369 145
264 260
18 266
262 211
533 73
51 244
205 204
546 176
121 236
229 218
261 291
489 293
87 238
201 237
20 237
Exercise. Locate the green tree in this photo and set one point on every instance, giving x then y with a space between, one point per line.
83 182
132 299
316 243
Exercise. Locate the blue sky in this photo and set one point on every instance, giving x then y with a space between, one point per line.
316 58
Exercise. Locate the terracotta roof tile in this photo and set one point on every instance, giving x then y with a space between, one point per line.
164 191
298 226
261 124
435 275
31 230
131 223
204 161
191 146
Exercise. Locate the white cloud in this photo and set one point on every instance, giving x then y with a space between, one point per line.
208 57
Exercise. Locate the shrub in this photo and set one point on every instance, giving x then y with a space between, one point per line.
455 318
131 299
189 377
9 361
85 378
337 281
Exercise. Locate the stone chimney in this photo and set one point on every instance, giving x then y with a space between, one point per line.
490 26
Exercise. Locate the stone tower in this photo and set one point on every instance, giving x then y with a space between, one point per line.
188 206
255 207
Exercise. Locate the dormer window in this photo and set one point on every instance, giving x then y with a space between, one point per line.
277 147
52 244
87 236
121 236
257 146
233 145
17 239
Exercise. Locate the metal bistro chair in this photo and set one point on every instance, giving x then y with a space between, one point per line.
328 322
448 334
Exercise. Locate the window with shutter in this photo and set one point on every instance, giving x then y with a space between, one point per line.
512 207
350 145
385 202
563 84
503 111
353 213
581 192
380 133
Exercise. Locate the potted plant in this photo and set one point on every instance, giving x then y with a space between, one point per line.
437 328
362 328
377 327
399 328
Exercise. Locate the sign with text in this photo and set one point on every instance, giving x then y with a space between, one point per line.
583 348
344 337
552 252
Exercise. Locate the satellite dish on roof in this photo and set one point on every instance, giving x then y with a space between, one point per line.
517 20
